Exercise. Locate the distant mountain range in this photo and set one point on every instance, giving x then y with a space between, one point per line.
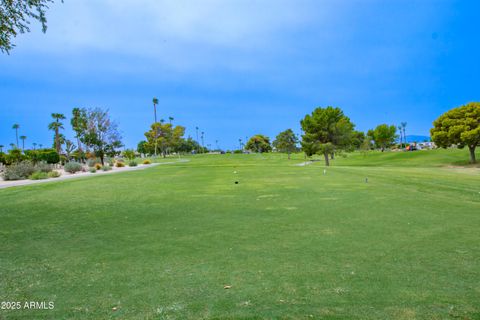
415 138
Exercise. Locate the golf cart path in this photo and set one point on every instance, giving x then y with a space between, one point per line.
7 184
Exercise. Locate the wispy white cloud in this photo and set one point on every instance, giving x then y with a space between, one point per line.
179 34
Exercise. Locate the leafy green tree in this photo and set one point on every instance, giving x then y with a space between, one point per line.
15 18
163 137
358 138
79 125
384 135
259 143
16 126
56 126
129 154
102 134
188 145
23 138
326 131
286 141
143 148
459 126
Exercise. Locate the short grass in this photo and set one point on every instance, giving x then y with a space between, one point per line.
291 242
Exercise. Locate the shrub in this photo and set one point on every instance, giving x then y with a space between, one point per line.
129 154
106 168
2 158
15 156
73 167
147 161
132 164
111 161
98 166
18 171
119 164
38 175
43 167
91 163
32 155
93 170
48 155
54 174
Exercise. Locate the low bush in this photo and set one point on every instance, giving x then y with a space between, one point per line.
147 161
98 166
18 171
48 155
54 174
91 163
111 161
38 175
43 167
92 170
119 164
72 167
132 164
106 168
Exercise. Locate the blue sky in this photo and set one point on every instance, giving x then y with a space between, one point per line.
236 68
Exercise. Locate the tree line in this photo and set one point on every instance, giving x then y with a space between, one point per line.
327 131
96 135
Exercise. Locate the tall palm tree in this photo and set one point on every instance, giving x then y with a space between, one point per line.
240 141
34 146
401 141
170 119
23 138
162 120
16 126
216 144
12 145
40 146
56 126
155 102
1 148
404 125
203 144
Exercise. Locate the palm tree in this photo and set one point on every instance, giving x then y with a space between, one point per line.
240 141
40 145
404 125
12 145
401 141
216 144
1 148
198 141
34 146
162 120
23 138
170 119
56 126
155 102
203 144
16 126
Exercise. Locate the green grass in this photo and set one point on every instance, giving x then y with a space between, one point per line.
293 243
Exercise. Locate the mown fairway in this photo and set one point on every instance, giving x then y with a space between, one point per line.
291 242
